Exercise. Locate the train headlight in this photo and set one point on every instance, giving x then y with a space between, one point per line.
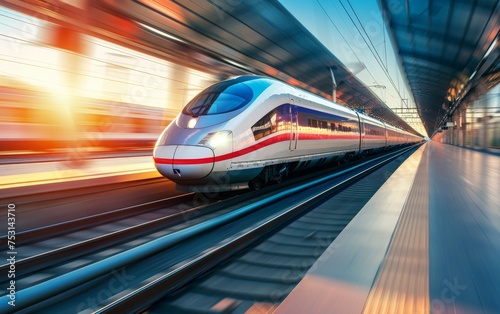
215 139
192 122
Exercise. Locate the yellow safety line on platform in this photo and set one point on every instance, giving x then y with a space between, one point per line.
59 172
402 285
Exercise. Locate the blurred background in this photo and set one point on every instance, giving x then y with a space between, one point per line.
66 93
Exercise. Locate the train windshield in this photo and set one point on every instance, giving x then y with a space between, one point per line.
219 98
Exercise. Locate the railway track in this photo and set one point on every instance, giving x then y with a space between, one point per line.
40 209
260 265
42 247
42 251
166 260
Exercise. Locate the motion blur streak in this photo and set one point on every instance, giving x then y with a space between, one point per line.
65 92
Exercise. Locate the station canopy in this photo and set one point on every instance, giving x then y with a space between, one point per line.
448 48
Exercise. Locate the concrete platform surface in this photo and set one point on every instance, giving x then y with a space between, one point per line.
427 242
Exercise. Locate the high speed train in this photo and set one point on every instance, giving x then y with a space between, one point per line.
249 130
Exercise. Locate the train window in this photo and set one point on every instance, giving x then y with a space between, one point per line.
374 130
265 126
276 120
219 98
313 123
328 122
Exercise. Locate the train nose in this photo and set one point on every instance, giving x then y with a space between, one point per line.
183 163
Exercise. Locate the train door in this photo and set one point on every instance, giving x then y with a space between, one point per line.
361 133
294 136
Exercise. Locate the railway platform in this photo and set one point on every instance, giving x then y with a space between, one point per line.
19 179
427 242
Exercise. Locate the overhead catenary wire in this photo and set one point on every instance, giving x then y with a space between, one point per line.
364 34
370 45
346 41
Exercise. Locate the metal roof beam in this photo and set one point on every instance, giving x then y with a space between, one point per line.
412 57
420 31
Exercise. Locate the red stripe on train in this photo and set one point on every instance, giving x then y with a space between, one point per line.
249 149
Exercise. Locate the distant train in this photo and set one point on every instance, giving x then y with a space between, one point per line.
249 130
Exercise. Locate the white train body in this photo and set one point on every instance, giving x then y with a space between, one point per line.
251 129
